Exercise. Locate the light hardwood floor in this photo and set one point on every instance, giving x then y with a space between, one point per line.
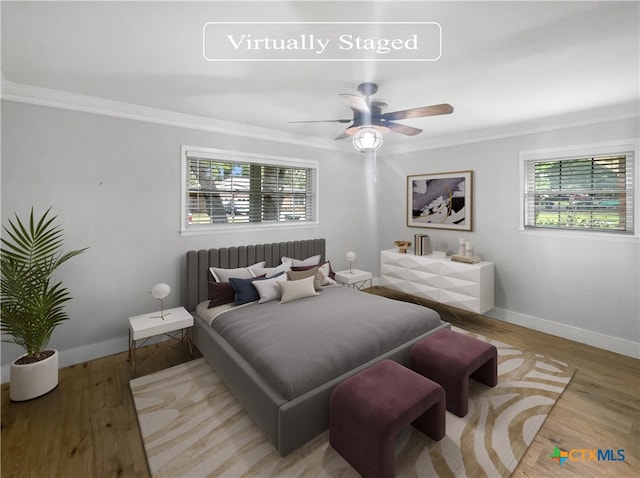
87 426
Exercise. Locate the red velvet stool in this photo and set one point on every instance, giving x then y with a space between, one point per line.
450 358
369 409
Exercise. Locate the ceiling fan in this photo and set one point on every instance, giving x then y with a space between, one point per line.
369 113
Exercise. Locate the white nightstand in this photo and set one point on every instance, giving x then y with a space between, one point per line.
143 327
356 279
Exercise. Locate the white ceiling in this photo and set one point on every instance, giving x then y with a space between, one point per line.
502 64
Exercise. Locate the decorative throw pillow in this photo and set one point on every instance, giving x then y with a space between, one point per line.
245 291
270 271
223 275
297 289
309 261
313 272
324 268
220 293
268 289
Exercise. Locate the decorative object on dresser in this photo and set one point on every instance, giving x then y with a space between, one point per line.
465 286
466 259
402 246
441 200
33 301
465 253
421 245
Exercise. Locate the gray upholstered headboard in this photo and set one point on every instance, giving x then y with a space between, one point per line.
198 262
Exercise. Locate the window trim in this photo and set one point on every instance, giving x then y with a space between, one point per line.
240 156
584 150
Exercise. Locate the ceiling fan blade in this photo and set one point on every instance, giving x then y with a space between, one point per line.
324 121
342 136
356 102
434 110
402 128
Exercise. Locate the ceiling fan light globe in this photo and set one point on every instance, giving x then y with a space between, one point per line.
367 138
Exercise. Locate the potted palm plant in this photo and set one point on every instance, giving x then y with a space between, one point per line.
32 301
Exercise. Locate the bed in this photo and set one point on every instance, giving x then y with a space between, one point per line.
282 361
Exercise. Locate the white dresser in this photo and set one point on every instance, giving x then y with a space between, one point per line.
465 286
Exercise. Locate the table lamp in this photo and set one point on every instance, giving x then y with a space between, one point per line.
160 291
350 256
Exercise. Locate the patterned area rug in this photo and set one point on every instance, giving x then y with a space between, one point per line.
192 426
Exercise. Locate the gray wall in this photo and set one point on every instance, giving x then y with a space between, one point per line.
582 288
115 185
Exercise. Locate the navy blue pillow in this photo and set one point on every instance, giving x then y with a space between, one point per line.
245 292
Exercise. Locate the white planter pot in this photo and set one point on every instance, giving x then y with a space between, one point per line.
34 379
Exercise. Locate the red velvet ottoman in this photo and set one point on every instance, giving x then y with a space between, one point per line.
450 358
369 409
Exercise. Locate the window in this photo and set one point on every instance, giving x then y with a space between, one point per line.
224 188
580 192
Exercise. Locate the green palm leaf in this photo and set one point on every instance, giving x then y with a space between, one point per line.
32 302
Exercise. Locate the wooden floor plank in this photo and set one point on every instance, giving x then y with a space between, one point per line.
600 409
87 426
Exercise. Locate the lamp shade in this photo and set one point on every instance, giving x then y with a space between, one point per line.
160 291
367 138
350 256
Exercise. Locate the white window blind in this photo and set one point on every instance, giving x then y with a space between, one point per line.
592 193
229 188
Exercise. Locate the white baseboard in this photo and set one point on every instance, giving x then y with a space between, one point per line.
569 332
85 353
595 339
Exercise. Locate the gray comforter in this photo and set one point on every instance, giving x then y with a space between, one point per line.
300 345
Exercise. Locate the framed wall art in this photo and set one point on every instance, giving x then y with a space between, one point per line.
440 200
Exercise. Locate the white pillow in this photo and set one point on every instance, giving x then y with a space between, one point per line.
325 270
223 275
297 289
268 289
270 271
309 261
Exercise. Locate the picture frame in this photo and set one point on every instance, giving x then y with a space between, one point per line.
440 200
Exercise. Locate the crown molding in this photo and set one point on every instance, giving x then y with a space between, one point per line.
621 111
35 95
22 93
